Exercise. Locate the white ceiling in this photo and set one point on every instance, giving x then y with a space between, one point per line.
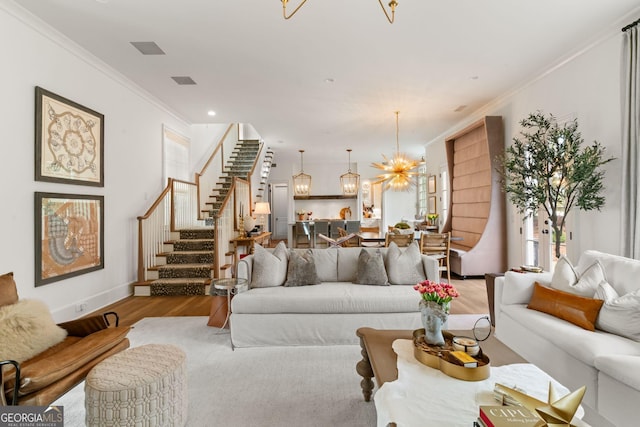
252 66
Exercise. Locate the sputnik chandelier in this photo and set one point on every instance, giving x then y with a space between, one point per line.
392 5
398 175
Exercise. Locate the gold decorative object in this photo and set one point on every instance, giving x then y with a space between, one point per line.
350 182
302 181
398 174
438 357
392 5
558 411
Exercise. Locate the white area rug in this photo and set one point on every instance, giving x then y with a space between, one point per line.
252 387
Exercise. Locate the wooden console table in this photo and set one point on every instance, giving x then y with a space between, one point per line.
249 243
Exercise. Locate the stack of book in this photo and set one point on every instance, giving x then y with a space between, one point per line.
507 416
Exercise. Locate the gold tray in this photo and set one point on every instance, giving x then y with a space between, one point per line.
439 358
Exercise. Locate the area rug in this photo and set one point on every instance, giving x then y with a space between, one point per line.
252 387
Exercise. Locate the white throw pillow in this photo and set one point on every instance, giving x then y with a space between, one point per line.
619 315
404 268
565 278
269 269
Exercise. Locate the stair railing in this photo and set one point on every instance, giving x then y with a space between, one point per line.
174 209
227 223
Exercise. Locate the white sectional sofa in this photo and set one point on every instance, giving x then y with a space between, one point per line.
327 313
607 363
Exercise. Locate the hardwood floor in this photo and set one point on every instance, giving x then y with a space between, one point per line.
472 300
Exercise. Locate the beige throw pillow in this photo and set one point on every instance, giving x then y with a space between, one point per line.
269 268
26 330
404 268
8 290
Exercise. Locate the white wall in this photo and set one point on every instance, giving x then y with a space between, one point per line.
588 88
204 139
36 56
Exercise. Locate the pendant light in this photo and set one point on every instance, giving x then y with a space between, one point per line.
302 181
350 182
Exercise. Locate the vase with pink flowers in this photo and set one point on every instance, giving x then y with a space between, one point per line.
434 306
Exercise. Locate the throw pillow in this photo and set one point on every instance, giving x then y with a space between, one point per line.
8 290
565 278
269 268
573 308
619 315
371 269
26 330
302 269
404 268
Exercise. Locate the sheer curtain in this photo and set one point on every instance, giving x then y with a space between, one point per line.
630 239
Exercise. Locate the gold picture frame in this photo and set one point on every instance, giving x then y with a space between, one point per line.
69 141
431 184
69 235
432 204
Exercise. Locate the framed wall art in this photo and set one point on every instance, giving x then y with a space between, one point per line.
432 204
69 141
69 236
431 184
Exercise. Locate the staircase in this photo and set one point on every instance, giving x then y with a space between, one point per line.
185 267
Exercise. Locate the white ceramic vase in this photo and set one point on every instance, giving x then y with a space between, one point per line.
249 223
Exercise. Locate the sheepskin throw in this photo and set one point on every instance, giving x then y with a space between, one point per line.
26 330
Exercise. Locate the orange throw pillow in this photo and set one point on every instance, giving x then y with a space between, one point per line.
578 310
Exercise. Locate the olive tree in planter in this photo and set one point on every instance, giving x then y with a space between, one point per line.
547 166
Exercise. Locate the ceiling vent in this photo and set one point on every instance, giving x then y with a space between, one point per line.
148 48
183 80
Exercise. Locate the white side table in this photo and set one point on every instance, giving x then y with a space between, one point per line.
232 286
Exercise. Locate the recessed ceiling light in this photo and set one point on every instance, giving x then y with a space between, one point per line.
102 1
474 77
460 108
211 113
329 80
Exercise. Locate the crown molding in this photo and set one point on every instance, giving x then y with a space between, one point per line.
47 31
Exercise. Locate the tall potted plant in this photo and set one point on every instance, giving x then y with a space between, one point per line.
547 166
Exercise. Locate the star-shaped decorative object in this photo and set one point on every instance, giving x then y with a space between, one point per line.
557 412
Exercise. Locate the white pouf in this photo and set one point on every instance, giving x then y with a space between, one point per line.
141 386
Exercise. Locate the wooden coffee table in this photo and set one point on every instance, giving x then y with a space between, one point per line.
379 361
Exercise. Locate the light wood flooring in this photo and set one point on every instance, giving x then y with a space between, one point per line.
472 300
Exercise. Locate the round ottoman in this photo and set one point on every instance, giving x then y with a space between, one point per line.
141 386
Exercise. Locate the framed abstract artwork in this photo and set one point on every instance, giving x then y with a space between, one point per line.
432 205
432 184
69 236
69 141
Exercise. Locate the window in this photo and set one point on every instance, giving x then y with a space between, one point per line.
422 191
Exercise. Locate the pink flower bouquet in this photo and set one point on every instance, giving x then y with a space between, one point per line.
440 293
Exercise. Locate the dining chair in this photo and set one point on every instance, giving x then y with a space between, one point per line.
437 245
320 227
303 235
402 240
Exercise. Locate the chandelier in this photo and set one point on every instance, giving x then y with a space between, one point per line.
302 181
392 5
398 175
350 182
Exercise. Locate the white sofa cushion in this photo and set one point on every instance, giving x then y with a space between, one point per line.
623 368
269 268
518 287
328 297
326 264
582 344
404 268
621 273
347 264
